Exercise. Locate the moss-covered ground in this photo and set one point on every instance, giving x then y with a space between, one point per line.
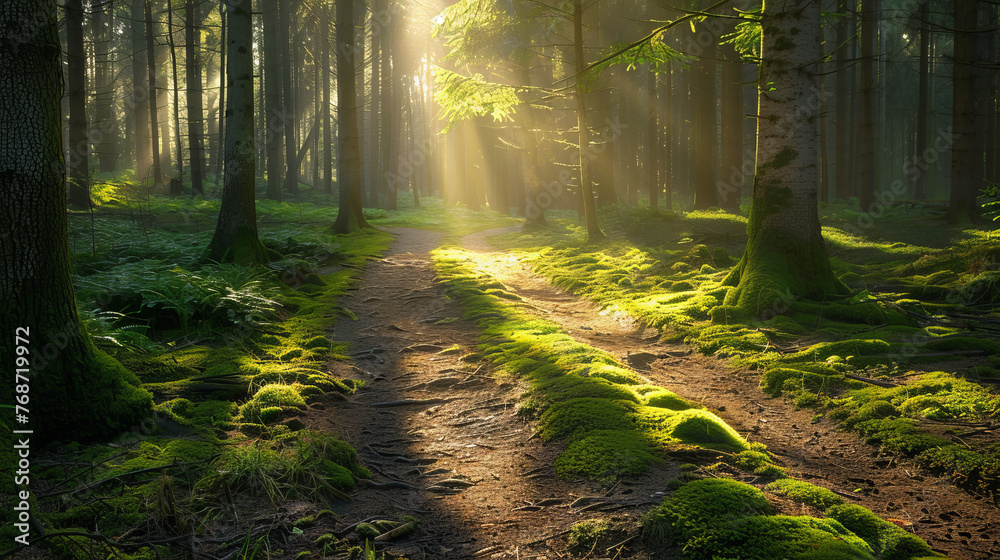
924 299
614 424
231 354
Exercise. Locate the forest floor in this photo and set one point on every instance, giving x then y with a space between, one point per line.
445 444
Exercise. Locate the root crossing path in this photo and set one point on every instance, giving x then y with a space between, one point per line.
445 445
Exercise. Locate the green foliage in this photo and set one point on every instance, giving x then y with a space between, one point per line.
463 97
309 465
654 53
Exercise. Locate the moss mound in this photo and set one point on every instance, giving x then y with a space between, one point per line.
604 455
887 540
583 415
805 493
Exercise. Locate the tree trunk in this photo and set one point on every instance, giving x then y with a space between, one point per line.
730 183
350 215
79 145
866 126
140 92
104 134
153 110
703 133
652 159
966 153
274 117
594 232
785 254
388 141
220 138
235 238
291 184
842 109
77 391
667 153
195 109
325 109
374 137
916 175
177 183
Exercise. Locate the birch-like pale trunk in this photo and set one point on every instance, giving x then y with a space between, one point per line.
785 255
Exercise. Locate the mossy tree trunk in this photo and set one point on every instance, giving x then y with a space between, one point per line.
785 254
235 238
74 390
594 232
350 215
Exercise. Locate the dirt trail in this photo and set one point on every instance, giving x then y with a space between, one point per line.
470 470
460 459
952 521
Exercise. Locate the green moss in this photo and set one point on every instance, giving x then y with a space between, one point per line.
693 426
585 536
768 537
759 463
583 415
805 493
270 397
887 540
605 455
662 398
698 508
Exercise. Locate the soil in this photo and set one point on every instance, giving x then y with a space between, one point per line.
445 444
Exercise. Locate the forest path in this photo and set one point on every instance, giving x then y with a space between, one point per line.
457 457
483 488
952 521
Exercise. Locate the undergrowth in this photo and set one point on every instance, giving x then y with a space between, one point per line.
923 296
232 356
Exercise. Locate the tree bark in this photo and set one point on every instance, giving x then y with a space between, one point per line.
291 183
917 175
842 109
274 117
730 183
374 132
153 109
652 159
104 133
966 153
785 254
594 232
140 92
325 109
350 215
866 126
235 238
703 133
177 183
80 393
79 144
195 108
